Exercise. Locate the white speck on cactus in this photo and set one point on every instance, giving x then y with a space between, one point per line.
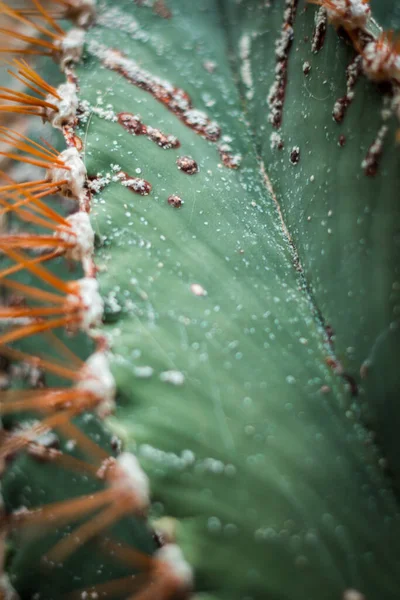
173 377
75 176
198 289
96 378
143 372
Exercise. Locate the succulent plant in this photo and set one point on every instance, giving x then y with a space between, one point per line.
199 360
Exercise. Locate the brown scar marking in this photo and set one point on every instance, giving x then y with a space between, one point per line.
336 365
175 99
135 184
175 201
318 39
295 155
71 139
353 73
371 162
133 125
229 160
159 8
187 164
277 92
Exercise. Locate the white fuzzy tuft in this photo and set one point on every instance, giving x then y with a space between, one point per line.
351 14
71 46
380 62
173 377
7 592
171 556
82 12
75 175
132 478
87 298
66 107
80 234
96 378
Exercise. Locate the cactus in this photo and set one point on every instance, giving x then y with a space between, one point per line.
214 332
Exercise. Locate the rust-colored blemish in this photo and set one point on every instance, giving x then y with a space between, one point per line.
134 126
131 123
161 139
351 382
319 34
159 7
336 365
276 96
353 72
134 184
86 200
175 99
229 160
175 201
371 162
187 164
71 77
330 334
295 155
71 139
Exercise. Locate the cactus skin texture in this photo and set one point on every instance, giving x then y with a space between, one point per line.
229 388
335 214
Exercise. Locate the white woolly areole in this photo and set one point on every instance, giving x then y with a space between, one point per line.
75 175
133 478
171 556
82 12
7 592
353 595
380 62
66 107
80 234
71 46
88 299
353 14
96 378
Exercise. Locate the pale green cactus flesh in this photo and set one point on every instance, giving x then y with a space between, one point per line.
216 311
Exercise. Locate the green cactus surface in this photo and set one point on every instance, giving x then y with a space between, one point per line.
249 264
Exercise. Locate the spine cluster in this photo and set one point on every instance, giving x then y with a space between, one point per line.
74 305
